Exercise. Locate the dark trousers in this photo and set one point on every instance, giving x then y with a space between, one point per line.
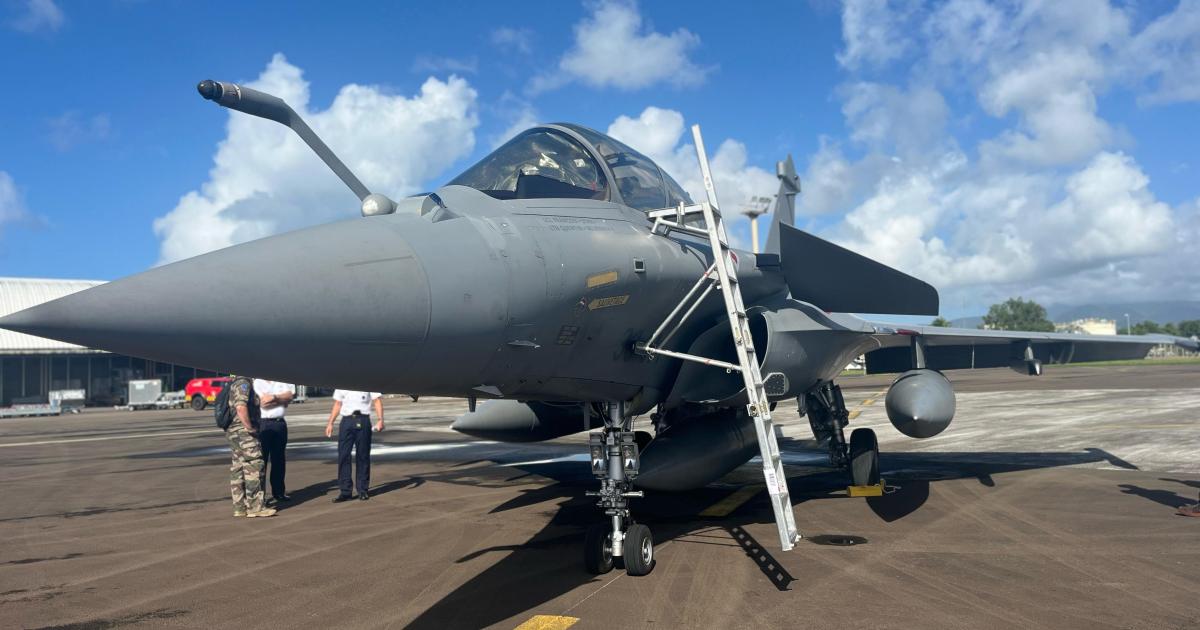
354 433
273 435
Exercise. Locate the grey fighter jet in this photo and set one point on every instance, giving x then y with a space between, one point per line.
534 281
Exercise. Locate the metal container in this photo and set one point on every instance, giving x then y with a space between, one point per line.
68 399
144 393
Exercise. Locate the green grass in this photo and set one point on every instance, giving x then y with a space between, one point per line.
1134 362
1140 362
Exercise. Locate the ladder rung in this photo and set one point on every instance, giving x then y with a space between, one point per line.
747 360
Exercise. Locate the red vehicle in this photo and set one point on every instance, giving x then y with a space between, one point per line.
201 391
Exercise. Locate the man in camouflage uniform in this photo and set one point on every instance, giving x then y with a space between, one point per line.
245 473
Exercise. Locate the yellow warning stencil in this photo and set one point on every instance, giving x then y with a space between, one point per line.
616 300
601 279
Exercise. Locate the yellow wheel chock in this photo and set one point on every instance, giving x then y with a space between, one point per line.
867 491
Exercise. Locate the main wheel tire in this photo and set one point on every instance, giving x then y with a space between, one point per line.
639 550
864 458
198 402
597 550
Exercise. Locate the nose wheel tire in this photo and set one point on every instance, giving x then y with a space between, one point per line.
639 550
597 550
864 458
198 403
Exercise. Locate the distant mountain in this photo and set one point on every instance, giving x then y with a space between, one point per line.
1158 312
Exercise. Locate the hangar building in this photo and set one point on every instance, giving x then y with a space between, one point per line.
31 367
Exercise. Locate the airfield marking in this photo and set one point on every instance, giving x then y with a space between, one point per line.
548 622
110 437
733 501
866 403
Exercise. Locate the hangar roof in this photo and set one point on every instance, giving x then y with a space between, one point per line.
21 293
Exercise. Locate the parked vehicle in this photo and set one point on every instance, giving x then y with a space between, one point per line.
171 400
201 391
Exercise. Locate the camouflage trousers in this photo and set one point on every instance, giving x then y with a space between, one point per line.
245 472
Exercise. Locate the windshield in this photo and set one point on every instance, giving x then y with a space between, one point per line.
538 164
642 183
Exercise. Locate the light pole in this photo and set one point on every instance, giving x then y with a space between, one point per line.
757 207
1128 328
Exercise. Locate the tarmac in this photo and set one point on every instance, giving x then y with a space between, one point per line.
1049 502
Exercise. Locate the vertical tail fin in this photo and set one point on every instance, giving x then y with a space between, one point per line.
785 201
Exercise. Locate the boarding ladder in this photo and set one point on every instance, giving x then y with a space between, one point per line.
722 275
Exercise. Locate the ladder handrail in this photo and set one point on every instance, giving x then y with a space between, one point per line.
724 279
757 404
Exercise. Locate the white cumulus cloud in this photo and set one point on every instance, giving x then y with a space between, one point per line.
12 206
1167 54
265 179
1049 203
660 135
39 15
71 129
614 48
874 32
519 40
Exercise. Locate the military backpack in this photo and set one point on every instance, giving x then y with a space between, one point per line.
221 409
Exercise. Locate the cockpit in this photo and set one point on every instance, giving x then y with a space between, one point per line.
566 161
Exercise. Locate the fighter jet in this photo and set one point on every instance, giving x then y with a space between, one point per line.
564 281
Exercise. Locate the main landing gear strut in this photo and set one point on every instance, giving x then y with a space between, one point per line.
828 417
621 541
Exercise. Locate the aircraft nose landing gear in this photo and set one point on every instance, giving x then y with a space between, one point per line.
615 460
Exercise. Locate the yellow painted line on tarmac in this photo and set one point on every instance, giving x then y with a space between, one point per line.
548 622
735 500
858 409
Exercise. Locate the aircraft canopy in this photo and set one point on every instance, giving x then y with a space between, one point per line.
548 162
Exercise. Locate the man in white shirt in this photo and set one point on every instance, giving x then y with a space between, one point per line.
274 398
354 432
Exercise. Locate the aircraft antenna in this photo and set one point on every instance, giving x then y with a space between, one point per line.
270 107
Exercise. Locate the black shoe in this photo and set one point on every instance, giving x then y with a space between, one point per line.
363 496
342 497
283 498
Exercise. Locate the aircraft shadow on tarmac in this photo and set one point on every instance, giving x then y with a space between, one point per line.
549 564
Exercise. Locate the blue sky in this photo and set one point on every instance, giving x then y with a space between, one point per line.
994 149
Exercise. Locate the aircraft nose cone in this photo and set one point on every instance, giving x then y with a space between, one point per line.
333 305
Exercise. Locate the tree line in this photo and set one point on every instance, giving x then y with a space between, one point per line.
1019 314
1185 328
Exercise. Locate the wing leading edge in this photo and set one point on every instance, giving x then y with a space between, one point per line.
962 348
